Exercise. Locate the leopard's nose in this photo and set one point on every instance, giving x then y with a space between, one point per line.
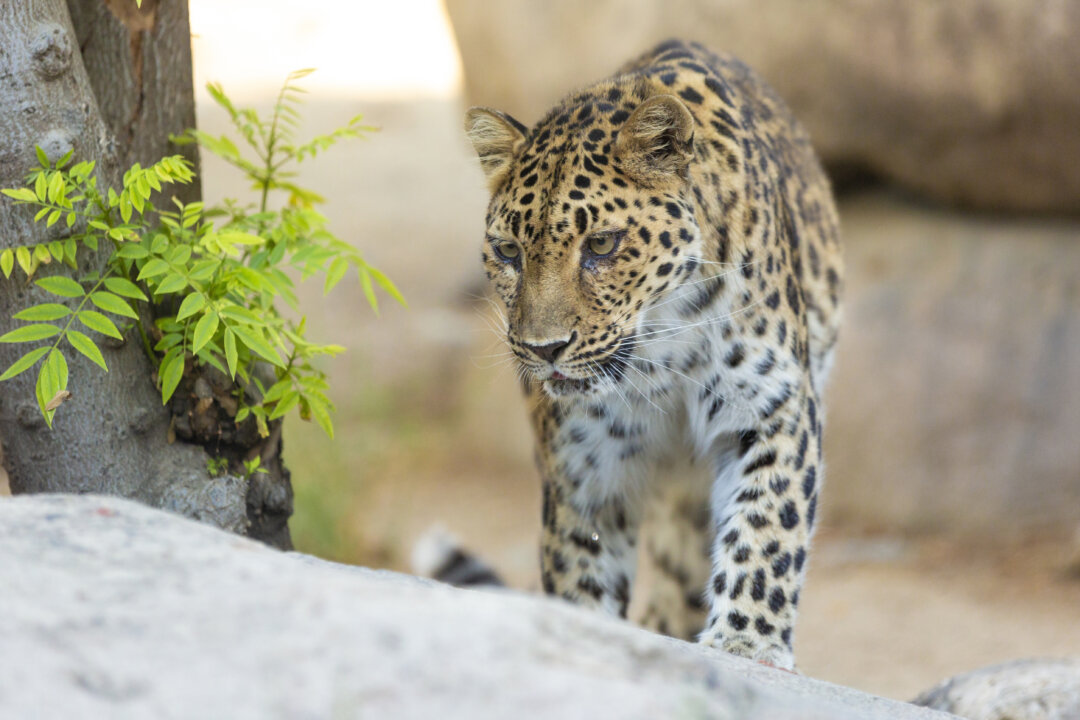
549 351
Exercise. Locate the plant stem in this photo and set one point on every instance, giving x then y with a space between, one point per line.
75 312
146 341
270 167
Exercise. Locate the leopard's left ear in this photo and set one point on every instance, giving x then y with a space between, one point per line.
657 140
496 137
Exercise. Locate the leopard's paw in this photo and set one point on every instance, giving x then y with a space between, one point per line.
753 648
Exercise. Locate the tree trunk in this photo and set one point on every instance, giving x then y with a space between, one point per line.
112 81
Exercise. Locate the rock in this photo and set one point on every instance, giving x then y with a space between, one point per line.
952 403
1018 690
111 610
181 483
970 102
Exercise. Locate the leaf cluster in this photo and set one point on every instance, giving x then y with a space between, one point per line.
214 279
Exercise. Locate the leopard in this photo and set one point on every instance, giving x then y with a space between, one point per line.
664 249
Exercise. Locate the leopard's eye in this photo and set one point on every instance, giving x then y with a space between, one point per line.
604 244
508 251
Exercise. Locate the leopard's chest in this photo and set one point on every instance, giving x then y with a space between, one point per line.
680 404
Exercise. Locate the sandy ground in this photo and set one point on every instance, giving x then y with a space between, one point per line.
430 429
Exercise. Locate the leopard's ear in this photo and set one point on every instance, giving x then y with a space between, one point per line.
496 137
657 140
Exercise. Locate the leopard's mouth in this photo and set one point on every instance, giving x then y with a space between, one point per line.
608 373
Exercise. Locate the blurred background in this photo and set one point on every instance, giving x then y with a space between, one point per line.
952 131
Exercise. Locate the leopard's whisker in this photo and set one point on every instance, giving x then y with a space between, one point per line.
707 321
641 392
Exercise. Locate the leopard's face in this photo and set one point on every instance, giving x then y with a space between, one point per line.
578 246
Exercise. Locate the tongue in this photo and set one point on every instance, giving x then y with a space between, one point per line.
557 376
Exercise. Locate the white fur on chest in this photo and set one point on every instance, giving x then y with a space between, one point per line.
663 413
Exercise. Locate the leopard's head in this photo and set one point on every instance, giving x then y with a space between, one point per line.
591 222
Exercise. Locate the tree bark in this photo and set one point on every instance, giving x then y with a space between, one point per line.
112 81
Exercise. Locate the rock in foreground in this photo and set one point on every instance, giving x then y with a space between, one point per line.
1018 690
111 609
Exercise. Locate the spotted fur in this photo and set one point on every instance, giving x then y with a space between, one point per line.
679 376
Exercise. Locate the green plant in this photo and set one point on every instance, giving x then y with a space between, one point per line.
212 276
252 466
217 466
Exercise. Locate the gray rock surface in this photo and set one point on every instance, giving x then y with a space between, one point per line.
1019 690
968 101
952 403
110 609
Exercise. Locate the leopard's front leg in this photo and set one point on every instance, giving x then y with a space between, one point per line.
590 518
587 550
765 517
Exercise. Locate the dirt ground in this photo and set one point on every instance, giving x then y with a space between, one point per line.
430 429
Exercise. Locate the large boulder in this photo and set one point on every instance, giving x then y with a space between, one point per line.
110 609
971 102
952 405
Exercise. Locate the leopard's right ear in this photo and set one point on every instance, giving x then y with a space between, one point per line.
496 137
